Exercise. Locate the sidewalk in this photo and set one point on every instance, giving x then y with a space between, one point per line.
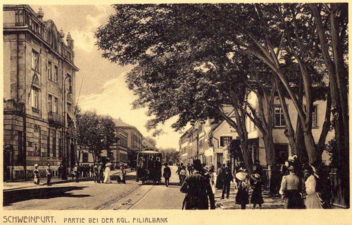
230 203
15 185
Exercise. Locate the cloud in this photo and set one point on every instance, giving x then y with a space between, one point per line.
116 100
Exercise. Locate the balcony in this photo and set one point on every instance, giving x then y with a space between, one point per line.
55 119
13 107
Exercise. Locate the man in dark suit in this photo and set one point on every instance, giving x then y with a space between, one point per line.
48 175
167 174
198 190
227 178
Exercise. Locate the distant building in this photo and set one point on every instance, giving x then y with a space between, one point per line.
134 141
39 93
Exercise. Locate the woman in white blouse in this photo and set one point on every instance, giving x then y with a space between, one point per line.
312 200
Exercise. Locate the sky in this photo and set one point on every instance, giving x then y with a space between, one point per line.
104 88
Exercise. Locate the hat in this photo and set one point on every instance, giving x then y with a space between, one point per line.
255 176
241 176
36 165
108 164
243 169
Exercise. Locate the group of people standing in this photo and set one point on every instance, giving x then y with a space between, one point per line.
310 191
48 174
99 171
243 181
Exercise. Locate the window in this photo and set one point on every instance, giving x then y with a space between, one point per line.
35 61
60 144
54 143
314 115
279 117
56 74
69 107
56 105
50 104
85 157
225 141
35 97
50 71
48 144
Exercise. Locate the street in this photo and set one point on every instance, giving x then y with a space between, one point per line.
92 196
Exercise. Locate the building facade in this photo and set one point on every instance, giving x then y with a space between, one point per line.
213 140
133 138
39 93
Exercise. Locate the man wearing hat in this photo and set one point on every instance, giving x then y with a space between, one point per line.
36 174
198 190
291 189
48 175
227 178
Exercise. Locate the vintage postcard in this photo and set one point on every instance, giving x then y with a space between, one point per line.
148 111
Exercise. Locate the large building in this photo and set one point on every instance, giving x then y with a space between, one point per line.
39 93
134 141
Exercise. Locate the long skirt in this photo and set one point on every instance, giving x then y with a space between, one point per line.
242 197
257 197
293 200
313 201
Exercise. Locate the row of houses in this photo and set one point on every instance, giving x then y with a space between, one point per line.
210 142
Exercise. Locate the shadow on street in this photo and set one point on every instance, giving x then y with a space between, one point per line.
40 193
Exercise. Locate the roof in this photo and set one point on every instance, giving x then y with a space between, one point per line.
119 123
149 152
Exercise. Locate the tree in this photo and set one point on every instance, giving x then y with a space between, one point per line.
95 133
193 59
149 142
169 154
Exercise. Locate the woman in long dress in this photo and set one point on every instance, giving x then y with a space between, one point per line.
242 197
257 197
107 179
312 198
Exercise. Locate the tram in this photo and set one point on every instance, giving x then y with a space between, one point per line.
149 166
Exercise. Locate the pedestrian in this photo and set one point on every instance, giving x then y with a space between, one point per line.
312 198
258 168
101 172
167 174
92 173
96 173
76 172
211 173
72 174
178 172
227 178
60 171
242 197
219 183
123 174
183 174
291 189
198 190
36 174
107 179
189 168
257 197
48 175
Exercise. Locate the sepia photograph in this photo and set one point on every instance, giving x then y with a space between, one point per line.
216 106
